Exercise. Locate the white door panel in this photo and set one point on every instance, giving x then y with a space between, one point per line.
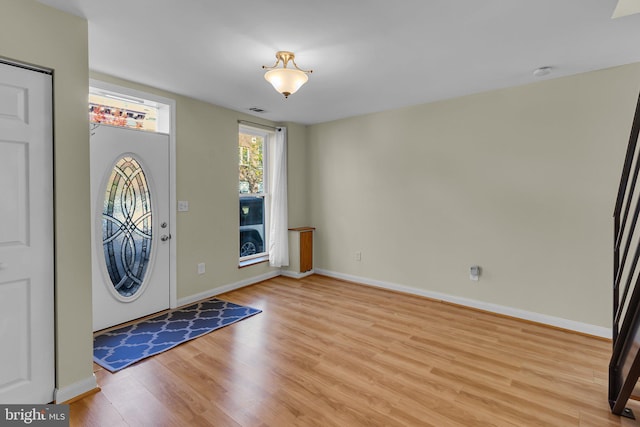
123 289
27 370
13 193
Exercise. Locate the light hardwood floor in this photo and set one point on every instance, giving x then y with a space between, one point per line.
330 353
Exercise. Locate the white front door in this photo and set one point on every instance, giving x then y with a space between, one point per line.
27 369
131 232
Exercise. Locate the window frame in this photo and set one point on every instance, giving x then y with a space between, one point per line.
264 194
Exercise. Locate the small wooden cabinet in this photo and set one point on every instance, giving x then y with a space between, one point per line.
302 249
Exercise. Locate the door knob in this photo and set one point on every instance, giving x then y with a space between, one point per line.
165 237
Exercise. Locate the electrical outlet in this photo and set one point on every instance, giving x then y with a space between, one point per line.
201 268
474 272
358 256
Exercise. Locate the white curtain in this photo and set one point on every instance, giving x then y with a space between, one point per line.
278 232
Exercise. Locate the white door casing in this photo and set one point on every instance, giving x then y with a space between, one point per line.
151 151
27 355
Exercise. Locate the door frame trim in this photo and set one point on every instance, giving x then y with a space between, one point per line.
26 66
173 286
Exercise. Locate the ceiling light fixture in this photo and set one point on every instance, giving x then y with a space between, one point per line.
286 80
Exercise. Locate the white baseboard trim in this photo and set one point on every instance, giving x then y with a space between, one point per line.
227 288
67 393
295 274
558 322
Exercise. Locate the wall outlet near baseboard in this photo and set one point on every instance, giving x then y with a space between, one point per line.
201 268
474 272
358 256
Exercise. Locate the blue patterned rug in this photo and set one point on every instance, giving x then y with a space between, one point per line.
119 348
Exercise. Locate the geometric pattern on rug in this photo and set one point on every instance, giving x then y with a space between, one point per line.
119 348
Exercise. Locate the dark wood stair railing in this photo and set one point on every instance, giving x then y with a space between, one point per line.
624 368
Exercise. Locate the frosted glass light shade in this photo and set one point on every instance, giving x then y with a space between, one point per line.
286 80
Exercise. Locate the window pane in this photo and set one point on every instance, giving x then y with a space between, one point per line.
251 226
251 187
251 149
122 113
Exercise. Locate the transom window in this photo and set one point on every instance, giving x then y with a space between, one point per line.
116 109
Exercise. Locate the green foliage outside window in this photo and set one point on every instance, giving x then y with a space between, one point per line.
250 155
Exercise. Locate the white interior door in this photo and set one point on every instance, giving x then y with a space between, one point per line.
27 369
130 237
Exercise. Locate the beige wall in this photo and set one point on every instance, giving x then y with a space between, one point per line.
207 177
521 181
297 175
39 35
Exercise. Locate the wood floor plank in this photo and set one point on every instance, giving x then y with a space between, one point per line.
326 352
84 412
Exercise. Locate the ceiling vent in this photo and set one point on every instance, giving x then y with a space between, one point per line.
257 110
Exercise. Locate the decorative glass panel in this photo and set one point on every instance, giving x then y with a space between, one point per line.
126 226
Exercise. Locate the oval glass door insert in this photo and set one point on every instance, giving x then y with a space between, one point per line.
126 226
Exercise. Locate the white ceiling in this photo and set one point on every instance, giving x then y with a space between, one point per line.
367 55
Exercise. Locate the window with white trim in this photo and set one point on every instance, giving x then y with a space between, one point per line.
252 185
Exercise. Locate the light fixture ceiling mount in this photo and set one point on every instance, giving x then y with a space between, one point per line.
286 80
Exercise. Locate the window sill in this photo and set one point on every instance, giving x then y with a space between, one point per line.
253 261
